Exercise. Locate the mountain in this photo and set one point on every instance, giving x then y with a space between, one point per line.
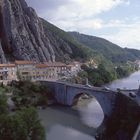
23 35
108 49
65 45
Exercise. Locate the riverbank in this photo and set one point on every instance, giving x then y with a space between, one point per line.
104 74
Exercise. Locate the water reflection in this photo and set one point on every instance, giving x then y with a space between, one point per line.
77 123
91 112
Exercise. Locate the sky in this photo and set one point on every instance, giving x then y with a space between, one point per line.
115 20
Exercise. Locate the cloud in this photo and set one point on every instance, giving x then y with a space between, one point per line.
84 16
128 34
65 10
80 25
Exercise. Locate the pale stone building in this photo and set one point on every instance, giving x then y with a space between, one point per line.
8 72
52 71
74 68
29 70
26 70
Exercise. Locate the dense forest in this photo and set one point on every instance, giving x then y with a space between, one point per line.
107 49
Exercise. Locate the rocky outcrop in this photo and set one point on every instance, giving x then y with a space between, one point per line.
2 55
23 34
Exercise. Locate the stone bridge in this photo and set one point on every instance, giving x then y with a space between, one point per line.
67 94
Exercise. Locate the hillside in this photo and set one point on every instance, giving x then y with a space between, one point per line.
109 50
63 42
80 51
24 36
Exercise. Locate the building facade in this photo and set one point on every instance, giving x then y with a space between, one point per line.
26 70
29 70
8 72
50 71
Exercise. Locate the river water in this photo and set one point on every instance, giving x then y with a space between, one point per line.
80 122
131 82
76 123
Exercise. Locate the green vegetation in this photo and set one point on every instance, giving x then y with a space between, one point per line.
108 50
21 125
105 73
26 93
85 47
79 51
99 76
3 104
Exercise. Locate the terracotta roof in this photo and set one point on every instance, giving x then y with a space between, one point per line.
24 62
70 65
49 64
7 65
41 66
55 64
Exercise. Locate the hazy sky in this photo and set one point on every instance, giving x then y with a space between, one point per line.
115 20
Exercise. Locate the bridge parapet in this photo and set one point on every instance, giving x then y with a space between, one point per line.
65 94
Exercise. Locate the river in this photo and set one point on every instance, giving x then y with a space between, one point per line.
80 122
76 123
130 82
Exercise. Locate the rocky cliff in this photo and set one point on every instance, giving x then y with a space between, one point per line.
25 36
22 35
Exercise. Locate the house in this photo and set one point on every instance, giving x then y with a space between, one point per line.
137 62
74 68
51 71
26 70
29 70
8 72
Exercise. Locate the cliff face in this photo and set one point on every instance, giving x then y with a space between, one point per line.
22 35
25 36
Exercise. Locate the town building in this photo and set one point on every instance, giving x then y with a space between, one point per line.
26 70
8 72
137 62
29 70
74 68
51 71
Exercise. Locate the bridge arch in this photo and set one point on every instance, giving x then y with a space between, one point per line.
104 98
78 96
90 110
66 93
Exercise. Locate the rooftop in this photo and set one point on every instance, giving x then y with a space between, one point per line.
7 65
24 62
49 64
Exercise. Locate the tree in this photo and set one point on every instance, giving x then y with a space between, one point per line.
29 116
23 125
20 125
12 128
3 103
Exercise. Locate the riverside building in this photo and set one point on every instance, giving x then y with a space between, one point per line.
8 72
29 70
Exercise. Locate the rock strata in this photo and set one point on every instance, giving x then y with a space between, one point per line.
23 36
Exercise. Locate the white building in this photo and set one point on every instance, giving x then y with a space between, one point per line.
8 72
